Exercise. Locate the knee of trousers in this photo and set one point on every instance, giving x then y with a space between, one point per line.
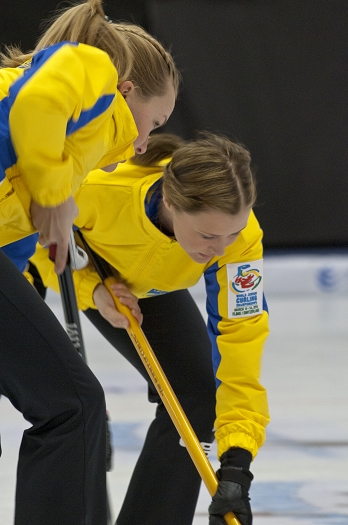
94 397
83 408
86 400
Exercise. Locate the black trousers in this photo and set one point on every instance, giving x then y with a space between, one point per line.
165 484
61 477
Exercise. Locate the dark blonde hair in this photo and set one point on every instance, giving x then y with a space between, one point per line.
136 55
211 172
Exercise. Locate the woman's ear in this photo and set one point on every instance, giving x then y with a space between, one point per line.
126 87
166 202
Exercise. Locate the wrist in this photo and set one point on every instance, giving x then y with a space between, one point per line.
239 475
236 457
235 464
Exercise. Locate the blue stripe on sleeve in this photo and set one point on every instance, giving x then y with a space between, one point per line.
264 304
213 289
89 114
7 153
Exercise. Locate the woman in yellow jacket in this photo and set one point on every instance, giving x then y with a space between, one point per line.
163 223
87 97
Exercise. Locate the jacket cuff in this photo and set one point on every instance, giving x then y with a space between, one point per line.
236 457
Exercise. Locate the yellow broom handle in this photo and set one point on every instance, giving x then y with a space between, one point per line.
170 400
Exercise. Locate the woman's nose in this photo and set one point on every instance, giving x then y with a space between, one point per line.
218 248
141 149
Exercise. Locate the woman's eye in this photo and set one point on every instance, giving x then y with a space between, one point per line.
206 237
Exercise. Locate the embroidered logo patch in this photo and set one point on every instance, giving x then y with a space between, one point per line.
245 289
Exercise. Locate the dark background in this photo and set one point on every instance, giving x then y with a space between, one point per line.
270 74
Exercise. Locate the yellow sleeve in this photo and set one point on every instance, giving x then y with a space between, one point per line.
59 90
241 401
237 343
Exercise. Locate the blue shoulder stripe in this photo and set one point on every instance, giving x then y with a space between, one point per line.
37 62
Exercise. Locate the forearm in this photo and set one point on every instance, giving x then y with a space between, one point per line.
241 407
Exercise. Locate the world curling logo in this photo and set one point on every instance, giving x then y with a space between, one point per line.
245 289
245 279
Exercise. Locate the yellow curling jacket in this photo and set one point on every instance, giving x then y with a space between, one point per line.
60 117
114 219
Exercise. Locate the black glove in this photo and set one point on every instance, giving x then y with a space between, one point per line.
232 494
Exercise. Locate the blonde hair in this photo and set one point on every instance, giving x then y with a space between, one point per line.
211 172
136 55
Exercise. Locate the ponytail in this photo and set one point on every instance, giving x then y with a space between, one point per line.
85 23
136 54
